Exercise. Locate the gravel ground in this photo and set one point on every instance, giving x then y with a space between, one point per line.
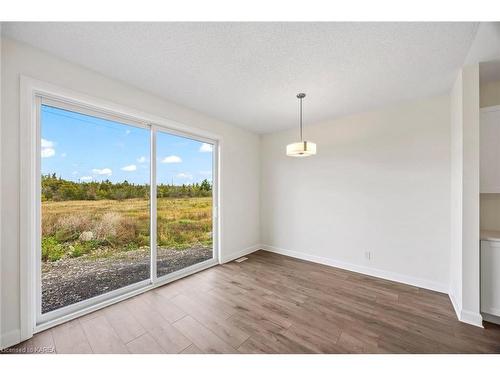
68 281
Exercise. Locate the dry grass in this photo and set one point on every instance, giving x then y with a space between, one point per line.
123 225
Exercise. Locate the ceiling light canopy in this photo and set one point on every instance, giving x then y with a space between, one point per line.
302 148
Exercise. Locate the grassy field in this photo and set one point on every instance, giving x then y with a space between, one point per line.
102 228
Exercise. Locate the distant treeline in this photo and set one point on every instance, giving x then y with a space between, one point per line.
57 189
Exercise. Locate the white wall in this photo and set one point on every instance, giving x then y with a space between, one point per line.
490 212
456 193
489 94
240 158
464 190
1 319
470 250
379 183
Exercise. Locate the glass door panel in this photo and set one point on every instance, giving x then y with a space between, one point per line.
95 206
184 186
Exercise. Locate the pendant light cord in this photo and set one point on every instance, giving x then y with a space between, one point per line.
300 119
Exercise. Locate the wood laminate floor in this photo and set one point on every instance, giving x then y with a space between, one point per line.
274 304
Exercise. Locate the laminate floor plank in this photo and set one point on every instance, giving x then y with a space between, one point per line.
167 309
202 337
170 339
69 338
273 304
144 344
41 343
212 319
102 337
126 326
192 349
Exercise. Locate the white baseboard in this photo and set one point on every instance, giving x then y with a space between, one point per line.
455 305
240 253
466 316
471 317
10 338
388 275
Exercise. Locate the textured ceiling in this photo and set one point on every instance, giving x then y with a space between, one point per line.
247 74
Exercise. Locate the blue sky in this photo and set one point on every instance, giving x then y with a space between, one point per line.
78 147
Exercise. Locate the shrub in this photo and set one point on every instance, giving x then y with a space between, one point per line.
51 249
48 224
116 229
126 230
143 240
130 246
101 228
65 235
184 233
105 228
66 227
75 251
74 223
82 248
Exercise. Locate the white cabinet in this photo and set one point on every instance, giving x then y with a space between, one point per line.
490 150
490 280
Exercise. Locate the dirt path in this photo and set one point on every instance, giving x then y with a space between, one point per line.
68 281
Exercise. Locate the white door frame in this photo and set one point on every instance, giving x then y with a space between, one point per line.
30 93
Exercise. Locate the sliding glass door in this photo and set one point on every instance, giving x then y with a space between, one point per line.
184 188
123 205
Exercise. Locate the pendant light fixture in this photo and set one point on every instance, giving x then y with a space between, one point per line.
302 148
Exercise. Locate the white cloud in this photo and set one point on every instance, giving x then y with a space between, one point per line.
171 159
184 175
129 168
141 159
47 148
206 147
104 171
74 172
86 178
206 173
47 144
48 152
